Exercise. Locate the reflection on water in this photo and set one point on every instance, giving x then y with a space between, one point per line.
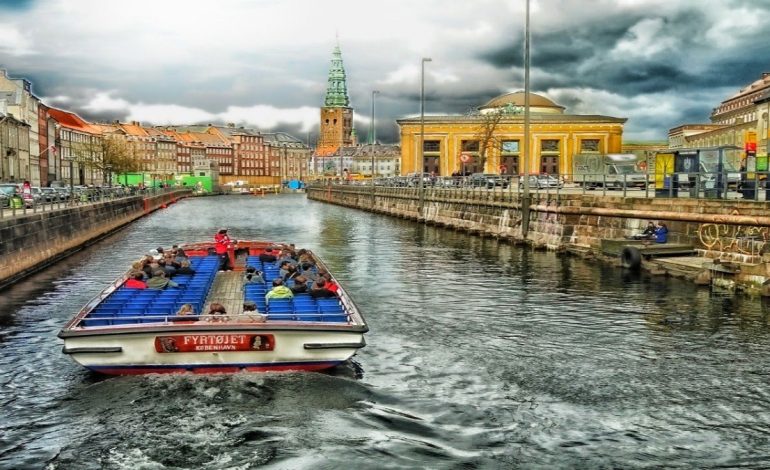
481 355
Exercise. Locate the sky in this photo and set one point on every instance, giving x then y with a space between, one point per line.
265 63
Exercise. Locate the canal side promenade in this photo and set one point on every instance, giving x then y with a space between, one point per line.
33 239
729 237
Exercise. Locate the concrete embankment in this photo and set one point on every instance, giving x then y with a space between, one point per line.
731 237
30 242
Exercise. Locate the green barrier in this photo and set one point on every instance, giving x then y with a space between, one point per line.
16 202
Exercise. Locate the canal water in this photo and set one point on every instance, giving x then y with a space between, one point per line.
481 355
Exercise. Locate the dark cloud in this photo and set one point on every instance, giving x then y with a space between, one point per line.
16 4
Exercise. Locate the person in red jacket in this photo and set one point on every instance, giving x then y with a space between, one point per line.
136 281
221 245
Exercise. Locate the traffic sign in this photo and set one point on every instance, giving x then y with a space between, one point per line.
465 158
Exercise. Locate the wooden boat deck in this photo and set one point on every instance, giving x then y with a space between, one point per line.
227 289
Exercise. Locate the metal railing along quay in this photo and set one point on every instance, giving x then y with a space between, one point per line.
86 197
746 186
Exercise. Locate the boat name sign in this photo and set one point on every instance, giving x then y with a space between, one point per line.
218 342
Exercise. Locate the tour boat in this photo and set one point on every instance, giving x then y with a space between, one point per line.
137 331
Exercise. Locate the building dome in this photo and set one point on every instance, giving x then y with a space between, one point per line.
515 100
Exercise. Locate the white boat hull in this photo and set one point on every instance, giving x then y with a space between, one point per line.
211 349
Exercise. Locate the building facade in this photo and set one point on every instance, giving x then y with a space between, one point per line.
453 144
386 158
741 120
22 104
79 145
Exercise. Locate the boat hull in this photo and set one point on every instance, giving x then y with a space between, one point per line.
212 350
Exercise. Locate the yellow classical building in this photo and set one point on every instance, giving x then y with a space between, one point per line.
453 143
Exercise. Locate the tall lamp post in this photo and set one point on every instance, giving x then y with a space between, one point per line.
373 135
421 159
525 194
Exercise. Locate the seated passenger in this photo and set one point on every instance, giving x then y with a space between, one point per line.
300 285
217 312
184 268
180 256
159 281
319 290
286 255
283 269
253 276
279 291
251 313
136 281
186 313
267 256
661 233
330 285
306 269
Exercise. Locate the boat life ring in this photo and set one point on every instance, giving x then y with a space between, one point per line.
631 258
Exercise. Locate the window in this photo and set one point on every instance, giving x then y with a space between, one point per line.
510 146
589 145
431 146
549 145
470 146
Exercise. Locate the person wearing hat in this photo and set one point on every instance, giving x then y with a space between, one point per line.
221 245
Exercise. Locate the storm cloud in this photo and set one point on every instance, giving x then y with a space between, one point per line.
265 64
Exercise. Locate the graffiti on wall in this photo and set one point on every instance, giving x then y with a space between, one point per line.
747 240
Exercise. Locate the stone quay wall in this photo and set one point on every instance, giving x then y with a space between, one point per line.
30 242
731 231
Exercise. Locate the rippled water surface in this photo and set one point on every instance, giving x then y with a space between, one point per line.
481 355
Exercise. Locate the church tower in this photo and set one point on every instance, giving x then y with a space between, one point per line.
336 128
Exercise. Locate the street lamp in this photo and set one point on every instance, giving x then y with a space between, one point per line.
373 134
525 195
421 159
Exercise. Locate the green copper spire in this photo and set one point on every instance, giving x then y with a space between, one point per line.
337 90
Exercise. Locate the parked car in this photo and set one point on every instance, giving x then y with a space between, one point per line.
7 190
542 182
488 180
49 195
413 179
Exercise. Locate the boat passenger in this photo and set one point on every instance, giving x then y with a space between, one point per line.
661 233
306 269
136 281
267 256
184 267
253 276
287 256
319 290
159 281
300 285
251 313
185 313
218 312
222 244
304 256
279 291
330 285
284 269
180 255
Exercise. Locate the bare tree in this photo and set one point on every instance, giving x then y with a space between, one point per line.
108 152
486 133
